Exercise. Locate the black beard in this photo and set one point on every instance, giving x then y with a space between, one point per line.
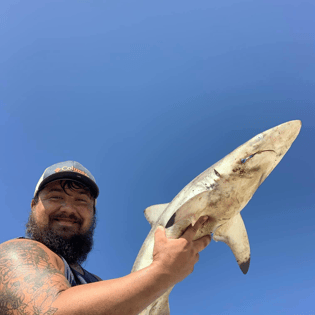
73 249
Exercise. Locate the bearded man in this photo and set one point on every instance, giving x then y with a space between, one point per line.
42 273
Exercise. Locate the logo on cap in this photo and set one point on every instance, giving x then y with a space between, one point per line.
70 168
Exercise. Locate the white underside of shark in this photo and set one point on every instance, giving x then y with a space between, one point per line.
220 192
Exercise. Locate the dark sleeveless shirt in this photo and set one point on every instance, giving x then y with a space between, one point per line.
74 277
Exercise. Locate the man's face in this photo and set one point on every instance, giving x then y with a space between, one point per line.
67 212
64 221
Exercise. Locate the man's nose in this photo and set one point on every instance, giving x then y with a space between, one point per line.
68 205
68 210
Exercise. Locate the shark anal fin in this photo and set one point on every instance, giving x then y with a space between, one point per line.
152 213
234 234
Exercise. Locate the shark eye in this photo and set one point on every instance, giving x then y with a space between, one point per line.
244 160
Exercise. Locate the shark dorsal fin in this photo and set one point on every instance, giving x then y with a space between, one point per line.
234 234
152 213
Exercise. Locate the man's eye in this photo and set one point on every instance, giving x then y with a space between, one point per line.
82 200
55 197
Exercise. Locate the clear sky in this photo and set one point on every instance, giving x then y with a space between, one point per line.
149 94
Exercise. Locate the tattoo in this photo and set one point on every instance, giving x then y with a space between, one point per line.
29 282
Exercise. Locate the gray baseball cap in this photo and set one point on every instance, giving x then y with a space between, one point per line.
68 170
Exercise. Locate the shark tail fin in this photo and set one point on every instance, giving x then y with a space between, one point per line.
154 212
234 234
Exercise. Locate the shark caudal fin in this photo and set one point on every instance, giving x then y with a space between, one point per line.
233 233
154 212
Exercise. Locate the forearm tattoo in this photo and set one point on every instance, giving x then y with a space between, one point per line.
29 282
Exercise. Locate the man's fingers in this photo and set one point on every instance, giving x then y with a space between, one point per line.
199 244
202 242
192 229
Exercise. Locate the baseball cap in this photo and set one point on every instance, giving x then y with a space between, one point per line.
68 170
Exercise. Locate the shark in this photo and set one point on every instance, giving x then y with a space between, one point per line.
220 192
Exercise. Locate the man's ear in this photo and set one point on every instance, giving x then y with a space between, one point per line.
33 203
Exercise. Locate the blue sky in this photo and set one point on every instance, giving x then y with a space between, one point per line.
147 95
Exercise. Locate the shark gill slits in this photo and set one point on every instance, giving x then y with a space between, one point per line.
171 221
211 186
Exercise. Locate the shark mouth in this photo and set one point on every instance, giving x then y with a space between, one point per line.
249 157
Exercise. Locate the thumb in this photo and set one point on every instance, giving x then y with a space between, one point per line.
159 231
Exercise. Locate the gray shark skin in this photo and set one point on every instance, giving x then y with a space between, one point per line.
220 192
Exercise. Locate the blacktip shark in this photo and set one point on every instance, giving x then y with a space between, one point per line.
220 192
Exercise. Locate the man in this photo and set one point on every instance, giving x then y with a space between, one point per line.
41 274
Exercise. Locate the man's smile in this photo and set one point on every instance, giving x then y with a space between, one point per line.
66 222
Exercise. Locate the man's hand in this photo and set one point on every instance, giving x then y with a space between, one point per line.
177 257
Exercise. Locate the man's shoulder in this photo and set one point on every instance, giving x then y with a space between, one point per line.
20 241
23 247
32 279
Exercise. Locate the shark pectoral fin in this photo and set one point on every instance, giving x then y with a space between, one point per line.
233 233
154 212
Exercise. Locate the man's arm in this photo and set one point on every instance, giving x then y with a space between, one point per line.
32 280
